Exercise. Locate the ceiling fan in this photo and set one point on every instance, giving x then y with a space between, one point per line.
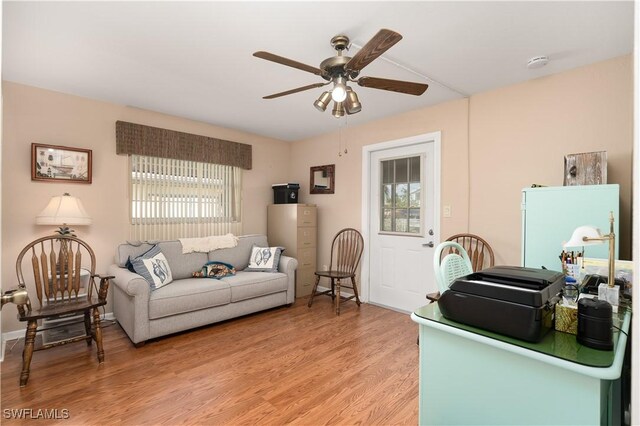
341 69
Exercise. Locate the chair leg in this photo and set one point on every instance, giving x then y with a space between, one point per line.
87 326
313 292
355 290
333 288
27 353
338 297
97 334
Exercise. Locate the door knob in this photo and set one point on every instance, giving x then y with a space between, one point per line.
429 244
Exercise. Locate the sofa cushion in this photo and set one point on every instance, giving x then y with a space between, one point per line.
154 268
182 265
239 255
187 295
264 259
247 285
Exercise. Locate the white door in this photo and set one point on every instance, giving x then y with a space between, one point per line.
402 225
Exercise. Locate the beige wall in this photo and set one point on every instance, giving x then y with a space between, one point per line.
518 135
36 115
343 208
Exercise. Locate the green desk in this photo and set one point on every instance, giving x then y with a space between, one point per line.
472 376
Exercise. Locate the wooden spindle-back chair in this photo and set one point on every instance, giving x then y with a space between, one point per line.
477 248
479 251
55 264
346 251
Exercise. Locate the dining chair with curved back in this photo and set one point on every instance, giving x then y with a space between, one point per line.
62 270
479 251
470 247
346 250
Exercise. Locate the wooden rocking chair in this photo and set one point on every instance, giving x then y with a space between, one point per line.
56 264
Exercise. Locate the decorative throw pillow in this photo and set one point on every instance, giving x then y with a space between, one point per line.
264 259
153 267
128 263
215 270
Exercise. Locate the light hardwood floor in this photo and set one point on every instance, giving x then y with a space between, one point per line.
285 366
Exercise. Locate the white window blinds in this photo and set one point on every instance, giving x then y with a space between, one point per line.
181 199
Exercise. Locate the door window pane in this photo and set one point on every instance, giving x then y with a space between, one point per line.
402 220
387 171
387 196
387 220
414 195
400 195
414 169
414 220
402 170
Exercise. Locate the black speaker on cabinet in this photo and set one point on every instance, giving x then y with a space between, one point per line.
595 324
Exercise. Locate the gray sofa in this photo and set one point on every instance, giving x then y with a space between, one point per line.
192 302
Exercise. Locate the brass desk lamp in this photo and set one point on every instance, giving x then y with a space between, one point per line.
588 235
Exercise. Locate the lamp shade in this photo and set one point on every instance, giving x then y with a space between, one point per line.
580 233
322 102
63 210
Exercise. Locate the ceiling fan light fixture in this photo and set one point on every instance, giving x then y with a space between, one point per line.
323 101
338 110
339 92
352 103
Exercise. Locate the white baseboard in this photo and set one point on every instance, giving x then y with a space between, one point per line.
18 334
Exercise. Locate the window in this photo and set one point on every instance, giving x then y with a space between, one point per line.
180 198
400 195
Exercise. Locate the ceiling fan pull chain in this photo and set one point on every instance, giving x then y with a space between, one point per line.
339 140
346 141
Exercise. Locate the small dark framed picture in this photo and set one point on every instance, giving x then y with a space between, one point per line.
60 163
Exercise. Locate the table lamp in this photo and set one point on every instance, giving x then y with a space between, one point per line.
64 210
588 235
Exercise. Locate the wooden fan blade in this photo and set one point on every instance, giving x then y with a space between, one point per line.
288 62
408 87
299 89
375 47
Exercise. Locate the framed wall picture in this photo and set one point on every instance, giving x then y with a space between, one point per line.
60 163
323 179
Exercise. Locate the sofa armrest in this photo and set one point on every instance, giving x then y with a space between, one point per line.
129 282
288 265
131 303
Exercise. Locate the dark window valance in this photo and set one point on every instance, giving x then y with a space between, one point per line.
138 139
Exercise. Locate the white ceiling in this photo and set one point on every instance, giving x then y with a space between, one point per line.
195 60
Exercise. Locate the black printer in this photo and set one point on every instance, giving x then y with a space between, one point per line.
510 300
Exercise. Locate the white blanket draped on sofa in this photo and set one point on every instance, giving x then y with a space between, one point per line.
207 244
